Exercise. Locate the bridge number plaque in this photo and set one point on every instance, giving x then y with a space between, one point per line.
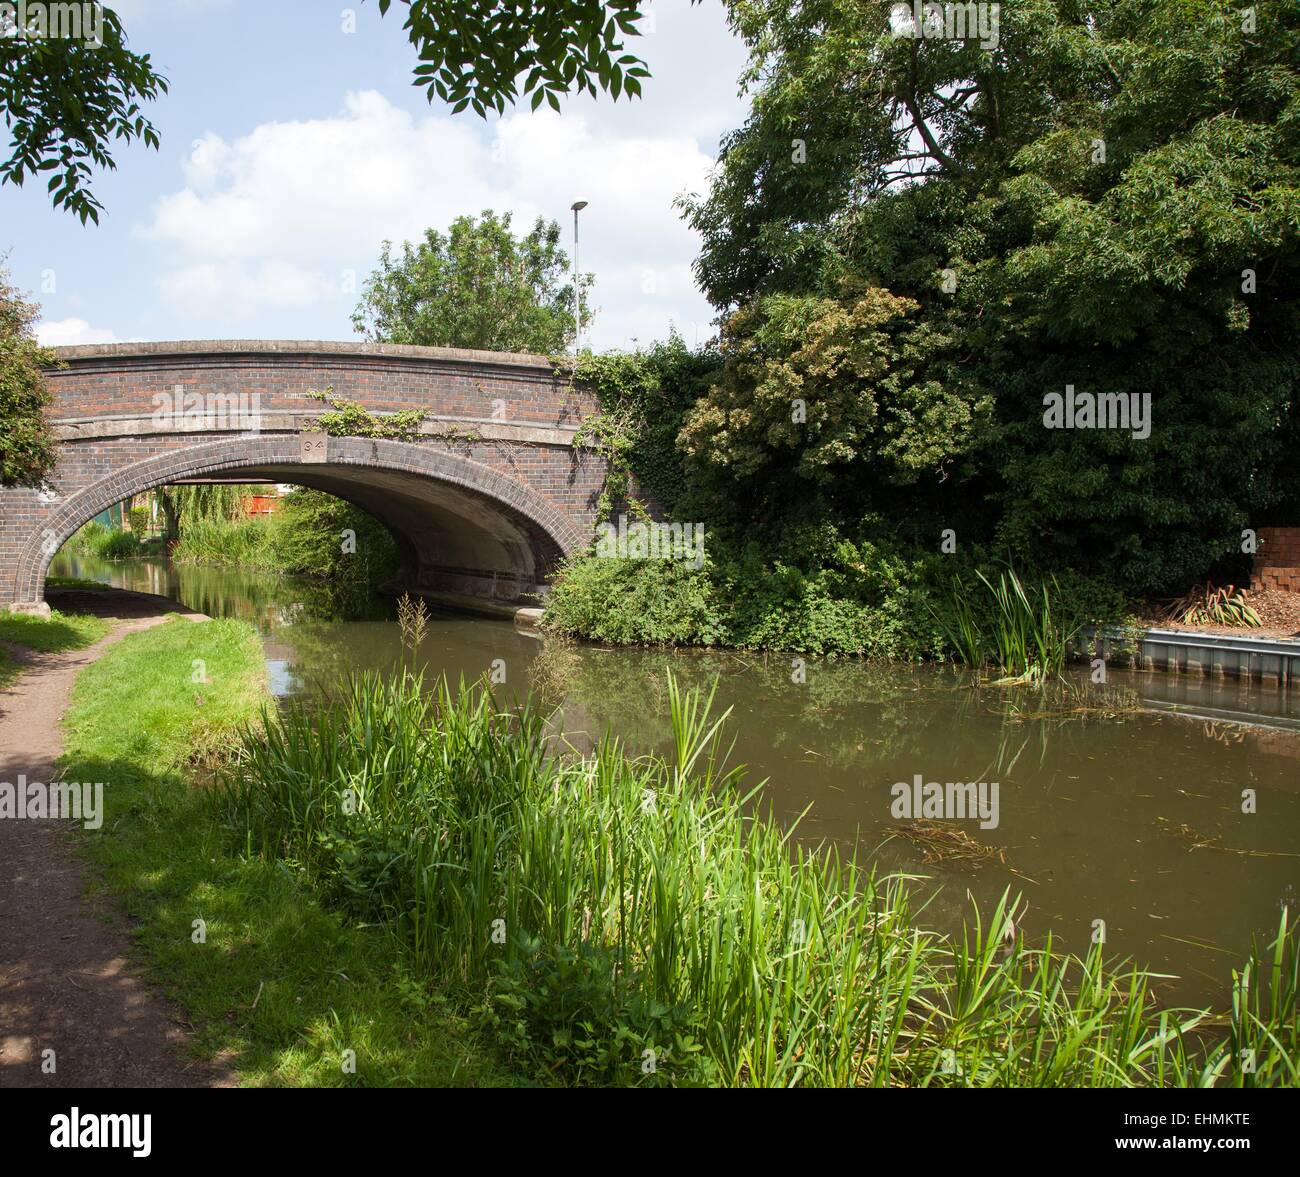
313 447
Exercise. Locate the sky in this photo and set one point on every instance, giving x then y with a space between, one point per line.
291 149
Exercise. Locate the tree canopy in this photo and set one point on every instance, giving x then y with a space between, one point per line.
477 286
1107 199
65 100
474 54
26 444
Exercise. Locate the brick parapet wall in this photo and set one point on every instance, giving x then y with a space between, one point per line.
123 380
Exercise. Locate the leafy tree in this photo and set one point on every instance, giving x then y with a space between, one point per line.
27 452
476 287
65 100
1108 197
827 392
473 54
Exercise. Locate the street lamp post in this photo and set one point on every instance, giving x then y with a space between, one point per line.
577 206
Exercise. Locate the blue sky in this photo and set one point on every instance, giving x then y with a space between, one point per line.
292 148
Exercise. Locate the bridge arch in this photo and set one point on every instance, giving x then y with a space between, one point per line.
490 491
455 520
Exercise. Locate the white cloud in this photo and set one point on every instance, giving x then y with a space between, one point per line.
269 225
261 285
68 332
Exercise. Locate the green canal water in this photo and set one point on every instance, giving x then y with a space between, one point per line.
1124 804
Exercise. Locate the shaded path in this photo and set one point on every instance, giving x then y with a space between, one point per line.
66 983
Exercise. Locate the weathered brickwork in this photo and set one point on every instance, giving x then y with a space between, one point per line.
1277 560
485 503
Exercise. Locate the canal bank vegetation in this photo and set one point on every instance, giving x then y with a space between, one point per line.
1026 632
862 599
606 919
904 302
811 572
310 534
111 543
278 988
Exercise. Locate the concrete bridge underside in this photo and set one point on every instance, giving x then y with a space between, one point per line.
483 502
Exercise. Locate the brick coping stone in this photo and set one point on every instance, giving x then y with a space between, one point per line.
198 347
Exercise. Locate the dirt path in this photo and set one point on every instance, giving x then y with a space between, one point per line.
66 984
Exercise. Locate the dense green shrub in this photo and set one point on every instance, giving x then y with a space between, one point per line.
743 600
630 602
320 535
118 545
139 519
818 593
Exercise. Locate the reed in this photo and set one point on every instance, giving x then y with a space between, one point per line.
107 543
247 543
633 920
1026 632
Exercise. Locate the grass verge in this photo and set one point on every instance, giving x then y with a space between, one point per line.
45 635
281 988
60 631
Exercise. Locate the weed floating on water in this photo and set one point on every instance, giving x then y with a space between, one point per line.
944 842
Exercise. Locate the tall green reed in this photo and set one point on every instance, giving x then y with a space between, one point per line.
250 542
1026 632
602 910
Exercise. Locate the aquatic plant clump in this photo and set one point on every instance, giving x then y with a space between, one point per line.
1025 631
634 921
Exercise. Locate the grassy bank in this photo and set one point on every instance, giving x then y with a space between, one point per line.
112 543
622 921
281 988
60 631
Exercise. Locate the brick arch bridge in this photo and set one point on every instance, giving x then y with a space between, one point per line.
483 502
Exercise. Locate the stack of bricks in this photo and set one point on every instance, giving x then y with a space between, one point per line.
1277 561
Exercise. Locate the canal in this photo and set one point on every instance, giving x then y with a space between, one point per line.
1130 806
